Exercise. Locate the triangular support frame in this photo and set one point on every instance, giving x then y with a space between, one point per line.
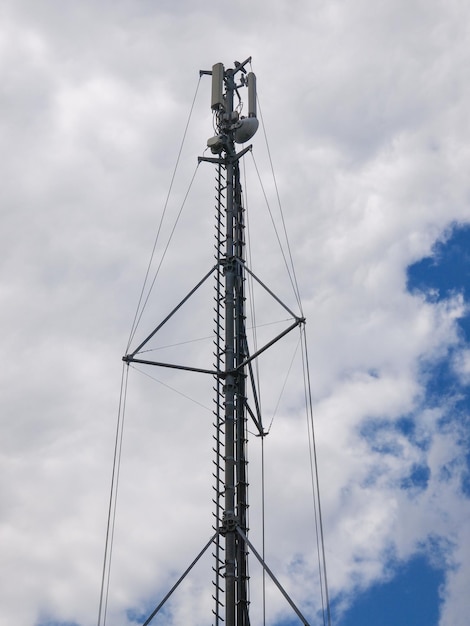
198 557
131 357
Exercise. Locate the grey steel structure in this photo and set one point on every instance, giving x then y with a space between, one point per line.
232 367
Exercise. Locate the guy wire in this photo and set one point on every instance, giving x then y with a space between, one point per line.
324 593
138 312
108 550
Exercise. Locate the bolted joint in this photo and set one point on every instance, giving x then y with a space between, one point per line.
228 264
229 523
231 384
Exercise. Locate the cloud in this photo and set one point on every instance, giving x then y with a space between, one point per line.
366 112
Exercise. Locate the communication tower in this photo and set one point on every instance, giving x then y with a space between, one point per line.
233 363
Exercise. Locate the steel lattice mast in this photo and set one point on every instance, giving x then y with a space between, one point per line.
232 367
231 249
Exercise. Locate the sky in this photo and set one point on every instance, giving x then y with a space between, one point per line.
365 108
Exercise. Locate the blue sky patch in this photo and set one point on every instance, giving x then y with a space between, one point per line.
55 623
411 598
446 272
417 479
438 277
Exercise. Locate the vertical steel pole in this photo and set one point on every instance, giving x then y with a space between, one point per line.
240 419
230 383
231 256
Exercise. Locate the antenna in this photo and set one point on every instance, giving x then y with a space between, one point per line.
251 82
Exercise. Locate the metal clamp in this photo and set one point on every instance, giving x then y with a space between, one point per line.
229 523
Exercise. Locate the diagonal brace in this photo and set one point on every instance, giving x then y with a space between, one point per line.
256 354
271 293
180 579
273 578
178 306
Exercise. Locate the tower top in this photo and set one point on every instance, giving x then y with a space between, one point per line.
229 121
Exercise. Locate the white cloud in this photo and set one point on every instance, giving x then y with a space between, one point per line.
367 117
462 366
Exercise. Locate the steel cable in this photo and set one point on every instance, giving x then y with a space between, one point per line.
108 550
324 593
139 310
295 284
